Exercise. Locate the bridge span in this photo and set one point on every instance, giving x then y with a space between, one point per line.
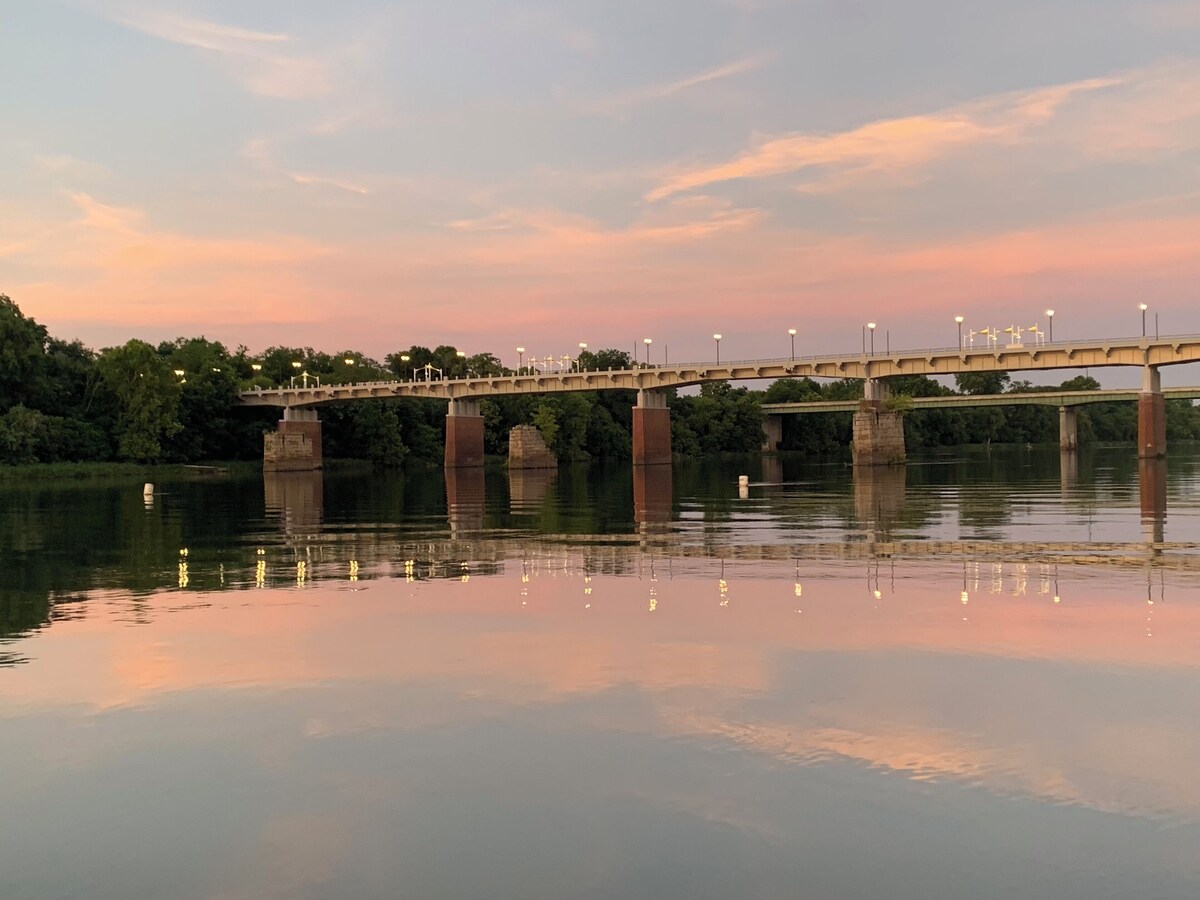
878 435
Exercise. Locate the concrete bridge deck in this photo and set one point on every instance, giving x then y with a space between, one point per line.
959 401
1154 352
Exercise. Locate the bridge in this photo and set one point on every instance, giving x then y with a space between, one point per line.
1065 401
878 434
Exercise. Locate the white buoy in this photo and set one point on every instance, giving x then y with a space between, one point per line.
743 481
148 490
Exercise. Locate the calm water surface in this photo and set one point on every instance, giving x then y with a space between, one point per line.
978 676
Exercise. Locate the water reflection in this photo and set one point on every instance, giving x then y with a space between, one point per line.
295 498
1068 468
652 495
527 489
879 499
465 499
1152 494
714 703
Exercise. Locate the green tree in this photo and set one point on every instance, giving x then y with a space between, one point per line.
146 391
982 382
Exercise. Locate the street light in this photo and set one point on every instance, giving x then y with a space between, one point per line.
717 338
520 359
257 367
792 335
404 358
959 321
296 364
1143 308
1050 316
647 342
871 328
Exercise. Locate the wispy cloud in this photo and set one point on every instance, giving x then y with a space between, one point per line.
650 93
267 63
259 152
889 144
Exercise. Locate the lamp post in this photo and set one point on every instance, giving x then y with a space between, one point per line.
1050 329
579 361
1143 308
404 358
520 359
647 342
792 335
717 340
959 320
871 328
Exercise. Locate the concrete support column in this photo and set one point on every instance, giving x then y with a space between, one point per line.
464 434
1068 429
651 430
1152 416
878 432
772 433
295 446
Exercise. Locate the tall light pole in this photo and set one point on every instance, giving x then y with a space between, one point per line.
1143 308
959 321
582 350
792 335
871 328
1050 318
520 359
717 339
647 342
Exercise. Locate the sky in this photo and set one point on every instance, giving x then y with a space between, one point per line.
493 174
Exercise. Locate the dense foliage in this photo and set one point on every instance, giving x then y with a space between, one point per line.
60 401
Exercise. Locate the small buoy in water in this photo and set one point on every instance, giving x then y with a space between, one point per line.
148 490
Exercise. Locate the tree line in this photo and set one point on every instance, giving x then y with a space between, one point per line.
61 401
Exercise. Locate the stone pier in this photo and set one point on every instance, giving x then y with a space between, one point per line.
772 433
651 430
1068 429
527 450
878 432
296 445
464 434
1152 416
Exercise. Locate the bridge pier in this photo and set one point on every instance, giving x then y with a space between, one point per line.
1152 416
464 434
651 430
295 446
878 432
772 433
1068 429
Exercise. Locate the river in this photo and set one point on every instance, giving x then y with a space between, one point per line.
974 676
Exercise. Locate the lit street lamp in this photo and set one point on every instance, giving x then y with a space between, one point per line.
959 321
717 339
520 359
647 342
792 335
1143 308
871 328
1050 330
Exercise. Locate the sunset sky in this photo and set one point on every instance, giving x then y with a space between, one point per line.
489 173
